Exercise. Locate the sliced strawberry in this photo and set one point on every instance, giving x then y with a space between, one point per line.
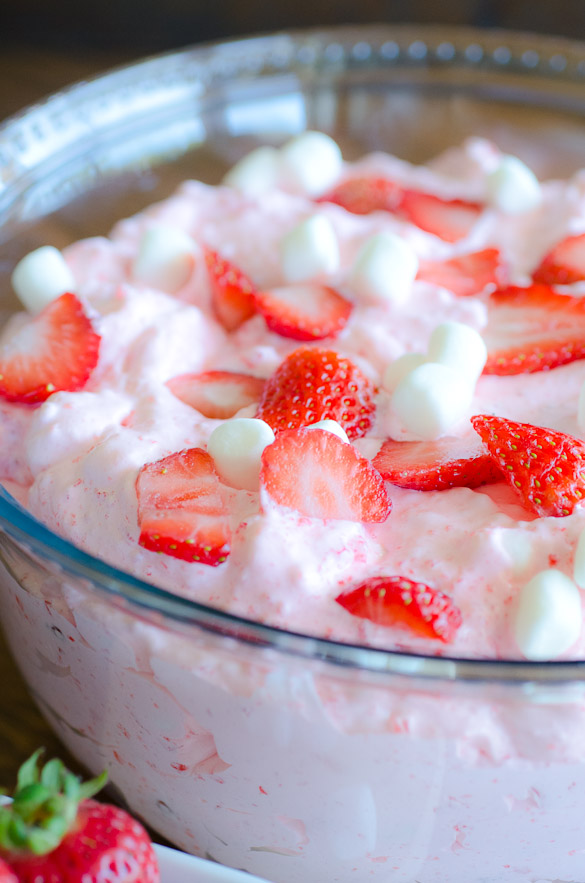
436 465
564 264
397 601
545 467
449 219
232 293
217 394
319 475
533 329
361 196
7 875
467 274
315 384
52 351
305 311
182 508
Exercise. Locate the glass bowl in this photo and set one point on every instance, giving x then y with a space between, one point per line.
295 758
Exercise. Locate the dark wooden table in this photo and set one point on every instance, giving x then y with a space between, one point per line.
26 77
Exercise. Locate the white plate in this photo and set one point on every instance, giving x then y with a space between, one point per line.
179 867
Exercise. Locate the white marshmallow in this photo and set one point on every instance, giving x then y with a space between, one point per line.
579 562
311 162
581 409
330 426
513 187
397 370
460 347
310 249
165 258
236 447
255 173
40 277
384 269
548 616
431 400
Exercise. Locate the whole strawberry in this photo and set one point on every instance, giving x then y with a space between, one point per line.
53 832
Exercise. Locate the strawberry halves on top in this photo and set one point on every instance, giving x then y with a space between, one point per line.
217 394
183 509
467 274
436 465
304 311
232 292
53 351
533 329
544 466
53 830
398 601
364 195
319 475
316 384
564 264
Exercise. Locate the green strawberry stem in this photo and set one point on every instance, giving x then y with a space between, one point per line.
44 806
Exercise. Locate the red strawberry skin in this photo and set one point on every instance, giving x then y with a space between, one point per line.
436 465
544 466
533 329
106 845
564 264
449 219
182 508
397 601
217 394
468 274
232 293
316 384
304 312
361 196
55 350
320 476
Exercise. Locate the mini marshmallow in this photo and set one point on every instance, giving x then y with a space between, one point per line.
385 269
579 562
460 347
165 258
548 616
40 277
330 426
255 173
513 187
431 400
311 162
397 370
236 447
310 249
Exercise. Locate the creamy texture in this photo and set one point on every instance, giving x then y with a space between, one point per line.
74 460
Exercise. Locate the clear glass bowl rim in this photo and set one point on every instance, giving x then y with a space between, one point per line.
556 56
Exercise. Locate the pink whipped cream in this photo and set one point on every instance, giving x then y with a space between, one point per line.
73 461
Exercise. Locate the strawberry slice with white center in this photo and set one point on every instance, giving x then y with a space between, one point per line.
217 394
361 196
544 466
304 311
183 508
319 475
232 292
564 264
55 350
398 601
315 384
467 274
436 465
533 329
449 219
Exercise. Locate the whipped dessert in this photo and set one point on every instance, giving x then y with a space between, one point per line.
326 396
345 399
